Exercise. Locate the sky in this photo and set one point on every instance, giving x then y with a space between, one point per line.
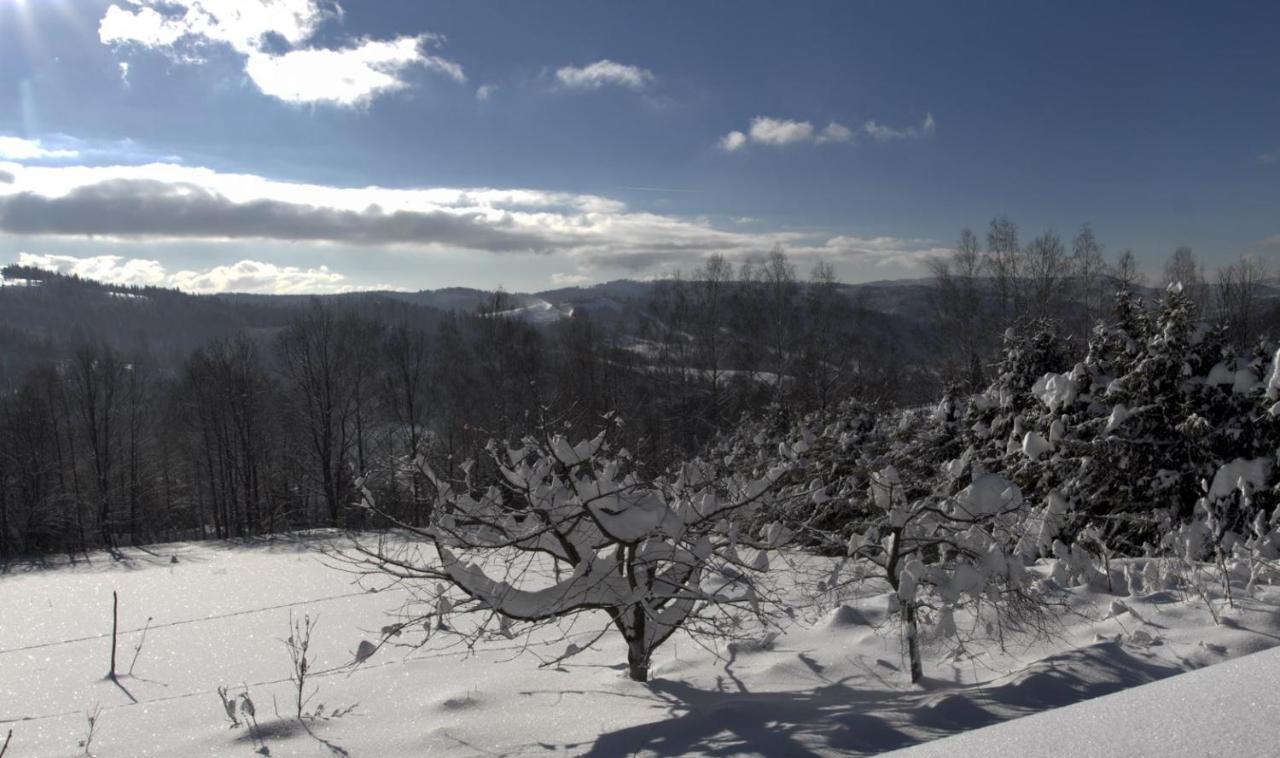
311 146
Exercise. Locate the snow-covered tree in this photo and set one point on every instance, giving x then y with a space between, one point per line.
569 529
943 537
1158 417
962 547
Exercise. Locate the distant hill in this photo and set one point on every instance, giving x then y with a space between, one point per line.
44 315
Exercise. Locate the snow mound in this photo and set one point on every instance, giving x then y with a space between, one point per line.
847 616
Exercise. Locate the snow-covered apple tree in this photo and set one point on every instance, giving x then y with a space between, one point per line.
566 529
944 552
945 538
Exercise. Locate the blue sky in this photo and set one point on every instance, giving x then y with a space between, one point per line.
303 145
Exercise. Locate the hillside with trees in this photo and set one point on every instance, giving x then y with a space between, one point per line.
137 414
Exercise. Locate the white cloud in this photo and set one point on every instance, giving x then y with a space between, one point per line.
349 75
63 148
239 24
881 252
774 131
882 133
243 276
259 277
19 149
144 26
104 268
1270 158
604 73
733 141
835 133
779 132
160 203
485 91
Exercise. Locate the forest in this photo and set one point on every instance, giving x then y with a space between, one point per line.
274 421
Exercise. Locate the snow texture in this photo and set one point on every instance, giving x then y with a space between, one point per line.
831 683
1225 710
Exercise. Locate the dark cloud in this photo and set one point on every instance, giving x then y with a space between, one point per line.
151 208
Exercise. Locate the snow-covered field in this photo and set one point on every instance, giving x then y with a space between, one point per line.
833 683
1226 710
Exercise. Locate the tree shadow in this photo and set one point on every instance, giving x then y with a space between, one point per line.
836 716
1073 676
720 722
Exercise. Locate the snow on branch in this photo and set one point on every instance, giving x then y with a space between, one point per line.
563 529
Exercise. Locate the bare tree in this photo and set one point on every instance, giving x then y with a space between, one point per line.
508 358
1239 300
709 291
959 313
96 377
1090 275
779 278
1003 259
828 340
224 393
1125 270
407 390
1182 268
1046 267
320 367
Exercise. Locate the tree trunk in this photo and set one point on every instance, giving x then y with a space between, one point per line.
912 632
637 660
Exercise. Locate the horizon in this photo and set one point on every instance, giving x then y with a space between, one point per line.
6 281
310 147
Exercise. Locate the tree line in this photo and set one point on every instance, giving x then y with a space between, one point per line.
283 423
984 289
278 429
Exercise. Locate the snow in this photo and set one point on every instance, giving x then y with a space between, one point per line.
1035 445
988 494
722 376
1221 373
833 681
1119 414
1273 379
1230 476
1242 379
1225 710
1056 391
537 311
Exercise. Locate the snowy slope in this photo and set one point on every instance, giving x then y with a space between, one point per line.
1225 710
833 682
538 311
